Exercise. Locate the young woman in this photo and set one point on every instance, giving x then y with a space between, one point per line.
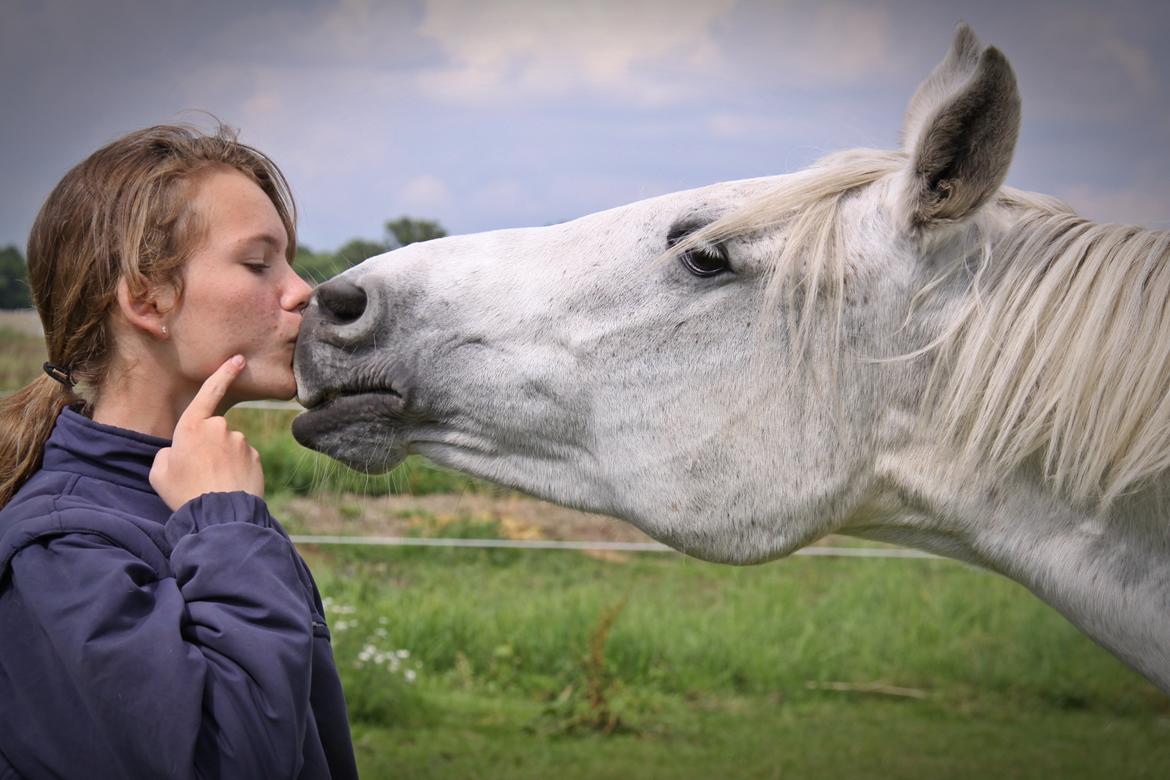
155 620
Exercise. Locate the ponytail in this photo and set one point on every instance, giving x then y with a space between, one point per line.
26 420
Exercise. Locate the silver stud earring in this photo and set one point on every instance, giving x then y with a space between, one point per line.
164 330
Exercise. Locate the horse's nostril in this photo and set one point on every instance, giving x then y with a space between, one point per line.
343 300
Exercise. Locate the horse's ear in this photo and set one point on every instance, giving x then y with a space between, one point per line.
960 131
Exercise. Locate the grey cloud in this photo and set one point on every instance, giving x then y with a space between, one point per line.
338 93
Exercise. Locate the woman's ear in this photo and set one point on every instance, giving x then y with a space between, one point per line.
147 312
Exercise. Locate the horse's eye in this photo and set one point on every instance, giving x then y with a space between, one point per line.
705 261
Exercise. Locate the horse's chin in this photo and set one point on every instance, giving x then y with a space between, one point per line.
359 430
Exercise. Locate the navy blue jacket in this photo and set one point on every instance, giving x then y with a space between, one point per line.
136 642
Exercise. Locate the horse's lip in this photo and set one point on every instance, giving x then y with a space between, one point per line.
324 398
319 425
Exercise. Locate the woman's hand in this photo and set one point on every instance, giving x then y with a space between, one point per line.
206 456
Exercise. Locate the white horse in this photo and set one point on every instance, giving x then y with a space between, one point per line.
889 344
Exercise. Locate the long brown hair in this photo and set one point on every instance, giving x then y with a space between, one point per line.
122 213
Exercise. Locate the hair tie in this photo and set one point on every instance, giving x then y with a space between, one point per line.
62 375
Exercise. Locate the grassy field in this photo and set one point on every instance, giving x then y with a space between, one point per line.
21 356
750 738
531 664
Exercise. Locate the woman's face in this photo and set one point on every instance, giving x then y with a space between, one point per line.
240 296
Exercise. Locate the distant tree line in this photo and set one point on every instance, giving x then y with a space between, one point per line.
396 233
13 280
313 266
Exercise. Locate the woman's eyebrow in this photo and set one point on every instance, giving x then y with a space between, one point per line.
274 241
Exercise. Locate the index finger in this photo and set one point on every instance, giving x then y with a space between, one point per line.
206 402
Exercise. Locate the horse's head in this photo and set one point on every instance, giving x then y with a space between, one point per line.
716 366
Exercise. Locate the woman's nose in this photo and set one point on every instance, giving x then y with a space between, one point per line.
298 295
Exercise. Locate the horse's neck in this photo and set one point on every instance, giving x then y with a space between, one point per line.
1110 576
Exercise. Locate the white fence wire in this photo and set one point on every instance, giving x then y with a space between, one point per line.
598 546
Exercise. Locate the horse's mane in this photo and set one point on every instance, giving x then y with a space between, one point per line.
1063 352
1062 349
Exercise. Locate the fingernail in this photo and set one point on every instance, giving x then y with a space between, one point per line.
238 361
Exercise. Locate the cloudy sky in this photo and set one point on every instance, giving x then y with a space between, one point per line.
500 113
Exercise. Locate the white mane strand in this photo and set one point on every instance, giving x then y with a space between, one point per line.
1065 354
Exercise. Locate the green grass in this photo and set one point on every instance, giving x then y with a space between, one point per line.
690 627
709 667
483 736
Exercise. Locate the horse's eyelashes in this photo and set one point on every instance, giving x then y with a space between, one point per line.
705 261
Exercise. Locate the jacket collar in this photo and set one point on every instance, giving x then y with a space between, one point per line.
81 446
